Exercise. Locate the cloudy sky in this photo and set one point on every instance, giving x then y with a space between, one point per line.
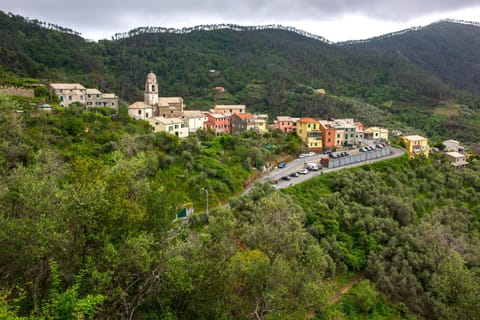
336 20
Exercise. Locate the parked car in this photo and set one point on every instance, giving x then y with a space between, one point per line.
302 155
303 171
313 167
286 178
311 154
294 174
282 164
379 146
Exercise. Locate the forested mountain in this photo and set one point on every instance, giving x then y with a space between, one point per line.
446 48
270 70
88 198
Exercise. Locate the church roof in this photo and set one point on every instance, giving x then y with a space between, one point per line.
139 105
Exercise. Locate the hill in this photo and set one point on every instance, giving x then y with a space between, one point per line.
270 70
446 48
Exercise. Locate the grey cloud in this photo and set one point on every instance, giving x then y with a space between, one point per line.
117 16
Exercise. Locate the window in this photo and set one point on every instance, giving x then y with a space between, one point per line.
170 128
61 98
70 98
153 87
113 103
176 126
329 140
139 111
89 95
98 96
146 115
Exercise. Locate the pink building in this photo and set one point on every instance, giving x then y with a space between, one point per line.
219 123
286 124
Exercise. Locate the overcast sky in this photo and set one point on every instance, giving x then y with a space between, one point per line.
336 20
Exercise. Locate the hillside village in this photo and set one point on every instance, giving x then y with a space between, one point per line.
169 114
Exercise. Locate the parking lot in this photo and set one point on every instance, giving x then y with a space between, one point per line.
354 158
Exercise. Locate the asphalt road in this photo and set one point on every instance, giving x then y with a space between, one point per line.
298 164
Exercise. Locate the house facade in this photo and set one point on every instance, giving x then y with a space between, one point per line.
173 126
219 123
416 145
458 160
308 130
328 134
376 133
69 93
194 119
261 122
229 109
169 107
95 98
286 124
242 122
140 111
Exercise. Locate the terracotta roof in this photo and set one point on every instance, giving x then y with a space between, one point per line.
414 138
67 86
245 115
92 91
308 120
139 105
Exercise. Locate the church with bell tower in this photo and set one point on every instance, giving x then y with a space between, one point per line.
153 105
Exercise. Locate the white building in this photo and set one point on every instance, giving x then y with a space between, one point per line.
69 93
173 126
140 111
458 160
95 98
194 119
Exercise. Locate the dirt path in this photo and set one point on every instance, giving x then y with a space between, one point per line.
346 287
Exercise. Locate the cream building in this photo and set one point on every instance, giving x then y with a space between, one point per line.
229 109
458 160
194 119
140 111
376 133
69 93
260 122
173 126
95 98
416 145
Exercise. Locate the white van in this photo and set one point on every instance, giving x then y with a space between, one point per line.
312 166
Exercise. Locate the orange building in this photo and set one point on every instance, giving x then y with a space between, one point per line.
328 134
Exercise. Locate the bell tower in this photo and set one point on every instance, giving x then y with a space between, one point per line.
151 90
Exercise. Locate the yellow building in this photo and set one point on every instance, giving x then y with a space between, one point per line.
308 130
416 145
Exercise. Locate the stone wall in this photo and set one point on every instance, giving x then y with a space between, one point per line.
21 92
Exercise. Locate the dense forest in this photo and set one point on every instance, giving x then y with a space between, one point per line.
270 70
89 201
